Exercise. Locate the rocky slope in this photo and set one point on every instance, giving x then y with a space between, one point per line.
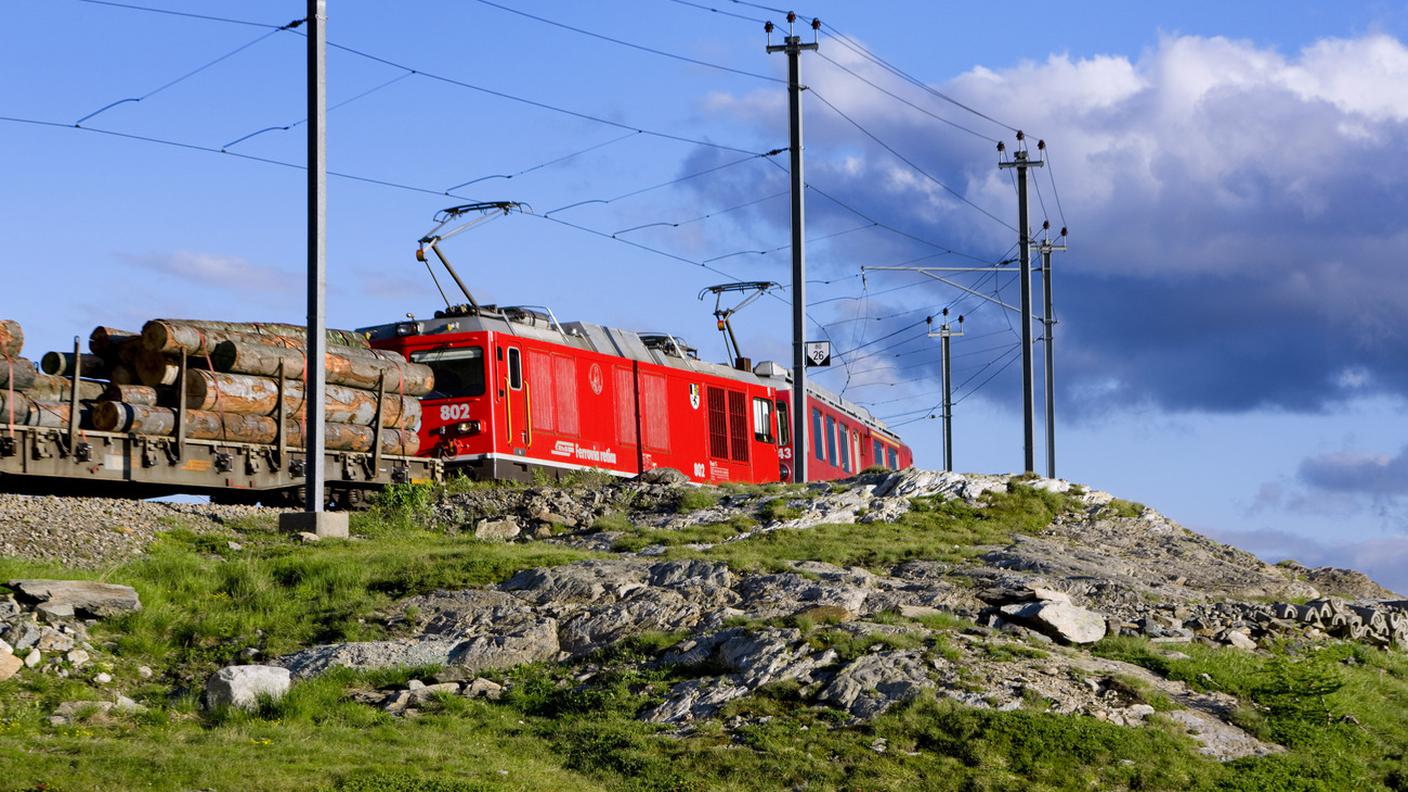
1003 626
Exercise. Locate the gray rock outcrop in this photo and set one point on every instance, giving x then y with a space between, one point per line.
244 686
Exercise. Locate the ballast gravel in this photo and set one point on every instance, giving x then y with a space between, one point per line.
96 532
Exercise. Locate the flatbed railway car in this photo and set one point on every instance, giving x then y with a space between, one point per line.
518 392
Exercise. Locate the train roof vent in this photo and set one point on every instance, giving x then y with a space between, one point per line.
669 345
769 368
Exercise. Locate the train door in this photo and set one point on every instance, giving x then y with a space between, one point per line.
513 403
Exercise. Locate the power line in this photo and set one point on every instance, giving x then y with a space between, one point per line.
855 47
718 11
343 103
189 74
905 101
168 11
453 81
549 163
632 45
211 150
908 161
686 177
714 213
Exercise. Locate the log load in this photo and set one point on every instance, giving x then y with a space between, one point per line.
134 394
197 337
106 341
236 428
358 370
17 373
250 395
60 364
47 387
11 338
47 414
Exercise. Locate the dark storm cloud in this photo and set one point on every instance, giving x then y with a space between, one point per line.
1238 228
1379 475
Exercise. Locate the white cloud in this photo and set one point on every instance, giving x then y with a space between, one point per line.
212 269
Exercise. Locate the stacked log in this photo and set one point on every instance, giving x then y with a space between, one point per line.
239 377
29 397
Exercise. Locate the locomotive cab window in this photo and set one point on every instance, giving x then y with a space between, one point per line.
762 420
458 372
515 369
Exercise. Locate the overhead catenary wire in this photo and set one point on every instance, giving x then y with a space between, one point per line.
632 45
189 74
719 11
676 180
457 82
286 127
905 101
549 163
911 163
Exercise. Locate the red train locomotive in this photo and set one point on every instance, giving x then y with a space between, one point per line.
517 391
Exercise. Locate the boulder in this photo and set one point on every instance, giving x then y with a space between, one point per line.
84 596
1239 640
503 529
1060 620
9 665
663 475
486 688
243 686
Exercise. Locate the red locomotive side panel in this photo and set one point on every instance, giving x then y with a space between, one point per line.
506 404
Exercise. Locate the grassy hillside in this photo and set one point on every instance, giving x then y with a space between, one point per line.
1340 710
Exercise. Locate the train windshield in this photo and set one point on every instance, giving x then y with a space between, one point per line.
458 372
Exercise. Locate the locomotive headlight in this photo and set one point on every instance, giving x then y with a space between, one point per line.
409 328
461 428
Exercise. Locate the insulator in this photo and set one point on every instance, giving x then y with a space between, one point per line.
1001 146
960 318
928 320
816 24
945 312
767 27
1063 230
791 17
1045 225
1041 145
1021 135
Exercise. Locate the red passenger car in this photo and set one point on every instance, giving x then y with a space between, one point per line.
517 391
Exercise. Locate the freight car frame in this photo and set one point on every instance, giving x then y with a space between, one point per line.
46 460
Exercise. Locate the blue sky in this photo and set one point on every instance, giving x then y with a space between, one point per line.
1233 320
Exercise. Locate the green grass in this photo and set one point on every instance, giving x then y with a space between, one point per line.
934 529
704 533
693 499
1341 710
1120 507
204 603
